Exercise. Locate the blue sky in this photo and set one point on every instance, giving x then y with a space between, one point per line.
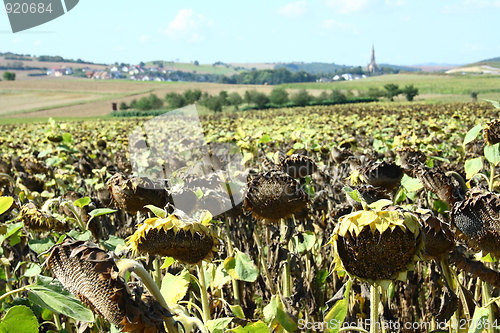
404 32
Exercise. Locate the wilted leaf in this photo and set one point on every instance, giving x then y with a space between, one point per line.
339 310
5 204
473 166
175 287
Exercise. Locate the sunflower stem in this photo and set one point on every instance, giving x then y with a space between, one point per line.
264 262
57 321
125 265
11 292
287 288
156 267
230 250
374 305
204 293
492 177
486 291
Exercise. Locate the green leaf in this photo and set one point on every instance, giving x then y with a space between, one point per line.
82 202
441 206
473 166
411 184
492 153
32 270
265 139
307 242
338 312
113 242
49 293
354 194
237 311
167 263
101 211
379 204
5 204
275 315
494 103
157 211
241 267
218 325
480 318
67 137
19 319
40 245
85 236
256 327
175 287
472 134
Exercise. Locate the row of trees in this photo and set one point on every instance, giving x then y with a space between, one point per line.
278 97
392 90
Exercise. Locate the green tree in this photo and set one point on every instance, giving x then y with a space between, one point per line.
375 93
196 63
223 95
9 76
175 100
142 64
473 96
337 96
235 99
133 104
301 98
279 96
260 99
410 92
123 106
213 103
249 96
392 90
192 96
321 98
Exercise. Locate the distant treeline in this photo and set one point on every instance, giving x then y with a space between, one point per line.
61 59
251 100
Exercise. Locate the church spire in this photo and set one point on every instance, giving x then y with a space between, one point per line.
372 66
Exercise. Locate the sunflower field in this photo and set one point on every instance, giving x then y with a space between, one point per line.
346 218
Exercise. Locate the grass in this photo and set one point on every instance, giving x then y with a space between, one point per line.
201 69
426 84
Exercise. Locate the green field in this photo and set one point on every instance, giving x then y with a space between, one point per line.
426 84
200 69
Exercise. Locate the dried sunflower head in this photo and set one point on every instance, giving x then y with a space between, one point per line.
176 236
92 275
477 219
492 132
385 175
436 181
274 195
132 194
377 246
438 237
298 166
38 220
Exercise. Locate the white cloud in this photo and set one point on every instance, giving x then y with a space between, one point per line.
357 6
335 25
293 9
188 25
470 48
348 6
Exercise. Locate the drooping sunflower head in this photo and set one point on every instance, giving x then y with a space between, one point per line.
38 220
492 132
298 166
176 236
477 220
382 174
273 195
377 246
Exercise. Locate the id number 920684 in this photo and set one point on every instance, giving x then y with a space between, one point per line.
25 8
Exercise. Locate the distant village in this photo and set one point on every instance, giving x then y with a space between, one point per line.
135 73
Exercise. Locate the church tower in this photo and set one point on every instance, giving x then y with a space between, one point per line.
372 66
